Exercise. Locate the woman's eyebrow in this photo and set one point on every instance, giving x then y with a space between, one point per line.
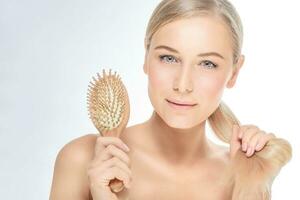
201 54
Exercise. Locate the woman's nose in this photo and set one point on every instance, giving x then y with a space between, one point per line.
183 80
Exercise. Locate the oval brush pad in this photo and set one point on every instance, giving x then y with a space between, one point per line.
109 110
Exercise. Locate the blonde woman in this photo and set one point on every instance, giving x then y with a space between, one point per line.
192 53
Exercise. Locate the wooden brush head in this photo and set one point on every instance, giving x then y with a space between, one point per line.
108 104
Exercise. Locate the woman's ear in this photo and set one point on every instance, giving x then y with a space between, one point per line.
235 73
145 44
145 67
145 58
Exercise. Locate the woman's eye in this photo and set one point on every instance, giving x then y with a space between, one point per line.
167 58
171 59
209 64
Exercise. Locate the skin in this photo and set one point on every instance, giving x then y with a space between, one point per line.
171 147
184 70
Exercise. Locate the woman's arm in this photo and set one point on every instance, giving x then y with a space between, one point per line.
70 181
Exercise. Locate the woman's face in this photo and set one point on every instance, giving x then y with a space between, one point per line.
189 60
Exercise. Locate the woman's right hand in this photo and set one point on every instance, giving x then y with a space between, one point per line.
110 161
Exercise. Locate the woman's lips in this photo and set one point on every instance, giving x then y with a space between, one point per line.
181 103
180 106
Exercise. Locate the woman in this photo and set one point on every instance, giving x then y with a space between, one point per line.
193 51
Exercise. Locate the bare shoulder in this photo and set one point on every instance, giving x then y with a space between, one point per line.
70 178
79 149
220 154
131 135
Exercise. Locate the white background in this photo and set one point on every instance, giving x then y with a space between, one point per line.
49 51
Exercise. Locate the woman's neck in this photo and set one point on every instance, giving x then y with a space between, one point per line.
177 146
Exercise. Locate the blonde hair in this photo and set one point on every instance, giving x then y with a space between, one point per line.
249 178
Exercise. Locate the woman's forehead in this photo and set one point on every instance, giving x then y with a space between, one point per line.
205 32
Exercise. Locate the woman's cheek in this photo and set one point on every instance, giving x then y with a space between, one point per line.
154 76
211 88
159 78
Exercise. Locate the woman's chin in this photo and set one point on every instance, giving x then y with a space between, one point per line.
180 126
180 123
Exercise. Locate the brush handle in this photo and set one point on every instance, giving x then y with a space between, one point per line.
116 185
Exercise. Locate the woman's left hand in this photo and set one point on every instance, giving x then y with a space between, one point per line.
249 138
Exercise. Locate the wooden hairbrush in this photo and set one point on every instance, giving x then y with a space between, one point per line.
109 110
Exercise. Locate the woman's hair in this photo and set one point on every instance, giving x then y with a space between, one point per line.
249 178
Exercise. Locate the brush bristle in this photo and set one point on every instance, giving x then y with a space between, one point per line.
106 101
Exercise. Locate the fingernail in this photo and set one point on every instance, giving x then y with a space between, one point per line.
126 147
244 146
249 151
257 147
240 134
